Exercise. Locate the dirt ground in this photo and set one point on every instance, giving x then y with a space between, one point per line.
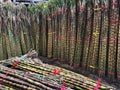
113 83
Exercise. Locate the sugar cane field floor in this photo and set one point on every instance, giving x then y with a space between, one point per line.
21 73
113 83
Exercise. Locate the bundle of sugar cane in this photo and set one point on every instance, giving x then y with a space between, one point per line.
27 81
68 75
39 75
69 82
48 74
47 70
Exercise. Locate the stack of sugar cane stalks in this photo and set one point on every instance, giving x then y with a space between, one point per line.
83 33
30 73
16 30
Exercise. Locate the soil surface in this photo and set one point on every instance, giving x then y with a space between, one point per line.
113 83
